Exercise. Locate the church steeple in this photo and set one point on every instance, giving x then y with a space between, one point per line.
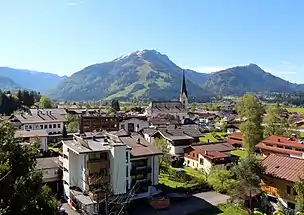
184 93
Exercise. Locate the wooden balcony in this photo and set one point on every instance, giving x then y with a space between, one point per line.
96 165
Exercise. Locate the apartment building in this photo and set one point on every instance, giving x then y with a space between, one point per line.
51 123
118 162
28 136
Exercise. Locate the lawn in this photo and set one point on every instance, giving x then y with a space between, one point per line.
212 137
223 209
242 154
296 109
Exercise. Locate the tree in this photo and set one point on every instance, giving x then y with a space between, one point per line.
45 102
21 185
248 177
299 188
251 110
224 126
162 145
72 124
115 105
221 180
192 107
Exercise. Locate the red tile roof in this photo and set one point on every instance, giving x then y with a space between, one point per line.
283 141
235 138
284 167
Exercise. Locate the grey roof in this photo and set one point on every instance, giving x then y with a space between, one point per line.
47 163
55 111
180 132
149 131
167 106
219 147
39 118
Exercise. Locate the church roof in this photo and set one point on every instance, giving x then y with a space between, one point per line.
183 87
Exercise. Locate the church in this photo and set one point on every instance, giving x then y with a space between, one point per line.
171 109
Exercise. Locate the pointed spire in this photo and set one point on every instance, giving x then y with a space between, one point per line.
183 87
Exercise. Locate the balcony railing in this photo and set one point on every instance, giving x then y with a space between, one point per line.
98 164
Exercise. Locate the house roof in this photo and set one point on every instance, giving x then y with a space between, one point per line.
30 133
47 163
39 118
163 121
55 111
284 167
277 150
167 106
180 132
284 141
235 138
139 146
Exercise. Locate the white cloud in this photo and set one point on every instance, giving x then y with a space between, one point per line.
73 3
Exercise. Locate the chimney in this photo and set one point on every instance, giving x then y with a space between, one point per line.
208 141
206 153
279 140
50 112
138 141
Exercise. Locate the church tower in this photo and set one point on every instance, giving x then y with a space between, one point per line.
183 94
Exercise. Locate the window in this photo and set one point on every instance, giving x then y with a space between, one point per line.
287 147
122 126
272 199
65 156
30 127
58 125
127 156
196 155
127 172
202 161
50 125
193 154
41 126
291 205
269 145
54 125
188 162
288 190
25 127
280 146
45 126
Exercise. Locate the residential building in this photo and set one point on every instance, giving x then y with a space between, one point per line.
28 136
51 173
288 146
177 109
177 137
281 172
122 162
235 139
207 155
53 111
51 123
112 123
231 128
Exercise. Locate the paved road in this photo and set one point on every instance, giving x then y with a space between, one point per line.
198 202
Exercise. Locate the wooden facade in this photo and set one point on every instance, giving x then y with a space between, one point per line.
98 123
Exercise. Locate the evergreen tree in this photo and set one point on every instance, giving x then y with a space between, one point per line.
21 185
115 105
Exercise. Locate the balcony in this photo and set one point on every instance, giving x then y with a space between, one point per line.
96 165
141 169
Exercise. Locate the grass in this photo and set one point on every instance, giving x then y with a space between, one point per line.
223 209
211 138
240 153
296 109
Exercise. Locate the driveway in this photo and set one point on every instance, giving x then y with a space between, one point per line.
197 202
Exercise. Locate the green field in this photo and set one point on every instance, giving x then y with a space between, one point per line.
212 137
223 209
296 109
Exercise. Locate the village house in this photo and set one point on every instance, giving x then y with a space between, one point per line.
54 111
117 159
281 172
30 136
51 123
207 155
235 139
51 173
288 146
177 137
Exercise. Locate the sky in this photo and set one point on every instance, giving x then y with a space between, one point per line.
63 37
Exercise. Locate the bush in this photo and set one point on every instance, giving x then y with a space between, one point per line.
179 176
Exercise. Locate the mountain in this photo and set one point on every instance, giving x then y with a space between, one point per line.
250 78
37 81
145 74
7 84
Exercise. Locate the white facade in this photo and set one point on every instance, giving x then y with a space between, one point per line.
133 124
50 175
51 128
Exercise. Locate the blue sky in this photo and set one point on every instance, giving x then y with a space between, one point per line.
63 37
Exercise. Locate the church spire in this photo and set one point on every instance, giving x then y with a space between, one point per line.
183 87
184 94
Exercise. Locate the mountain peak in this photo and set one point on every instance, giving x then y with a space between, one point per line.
141 53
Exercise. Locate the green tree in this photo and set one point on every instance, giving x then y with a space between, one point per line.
72 124
192 107
299 188
221 180
248 177
224 126
115 105
45 102
21 185
162 145
251 110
